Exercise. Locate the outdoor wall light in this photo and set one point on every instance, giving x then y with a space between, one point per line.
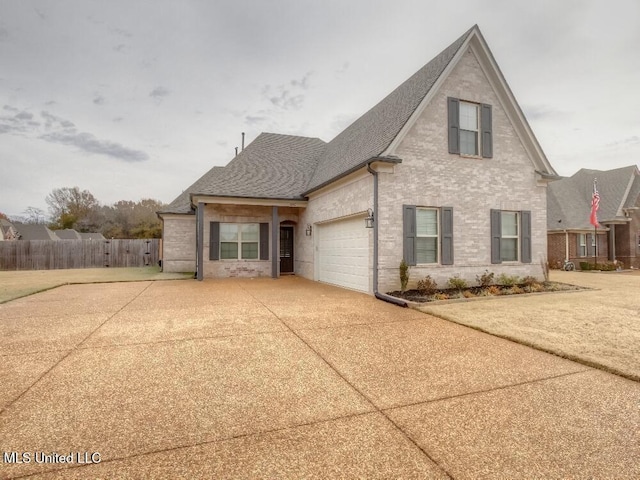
308 230
368 222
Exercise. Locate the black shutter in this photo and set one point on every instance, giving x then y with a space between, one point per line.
264 241
214 240
454 124
447 235
525 236
496 235
409 234
487 131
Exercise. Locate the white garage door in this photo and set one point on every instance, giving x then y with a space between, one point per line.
343 253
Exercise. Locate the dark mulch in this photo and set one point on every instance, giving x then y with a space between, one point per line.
491 291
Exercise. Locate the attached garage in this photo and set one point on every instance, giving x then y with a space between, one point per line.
343 253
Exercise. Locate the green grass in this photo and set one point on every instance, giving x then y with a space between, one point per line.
16 284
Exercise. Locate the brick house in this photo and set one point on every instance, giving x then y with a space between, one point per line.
571 236
445 169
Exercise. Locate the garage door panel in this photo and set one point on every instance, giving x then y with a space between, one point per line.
343 254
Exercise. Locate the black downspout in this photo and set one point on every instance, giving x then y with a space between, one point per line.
376 223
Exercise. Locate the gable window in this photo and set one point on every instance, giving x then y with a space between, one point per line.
470 128
427 235
582 244
510 236
238 241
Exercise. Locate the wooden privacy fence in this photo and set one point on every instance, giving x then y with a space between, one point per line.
58 254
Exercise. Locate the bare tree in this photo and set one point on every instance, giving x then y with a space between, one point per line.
34 215
71 207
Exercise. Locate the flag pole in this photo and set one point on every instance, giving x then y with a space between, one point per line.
595 250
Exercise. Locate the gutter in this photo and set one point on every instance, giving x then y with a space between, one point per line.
377 294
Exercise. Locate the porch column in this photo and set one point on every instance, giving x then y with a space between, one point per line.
612 242
199 241
275 229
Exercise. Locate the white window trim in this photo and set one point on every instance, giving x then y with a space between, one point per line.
239 242
478 131
582 238
437 236
517 237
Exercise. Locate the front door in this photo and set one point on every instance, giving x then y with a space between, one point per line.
286 249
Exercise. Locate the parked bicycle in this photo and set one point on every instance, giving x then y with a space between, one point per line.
568 266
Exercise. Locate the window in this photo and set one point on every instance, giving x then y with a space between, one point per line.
470 128
239 241
426 235
510 237
582 244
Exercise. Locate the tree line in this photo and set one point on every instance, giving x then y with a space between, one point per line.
70 207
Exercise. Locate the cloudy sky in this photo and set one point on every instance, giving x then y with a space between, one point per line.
134 99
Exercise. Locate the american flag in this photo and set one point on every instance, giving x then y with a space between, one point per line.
595 204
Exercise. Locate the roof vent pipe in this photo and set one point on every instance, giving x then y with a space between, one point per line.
242 142
236 151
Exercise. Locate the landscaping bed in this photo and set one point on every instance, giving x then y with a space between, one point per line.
487 286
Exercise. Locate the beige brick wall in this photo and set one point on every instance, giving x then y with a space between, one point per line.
430 176
179 243
350 196
241 214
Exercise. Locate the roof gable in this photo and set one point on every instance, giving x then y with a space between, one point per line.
474 41
569 199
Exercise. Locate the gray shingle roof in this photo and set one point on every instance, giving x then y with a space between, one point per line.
286 167
67 234
34 232
569 199
272 166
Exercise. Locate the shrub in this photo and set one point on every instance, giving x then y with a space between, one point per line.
516 290
441 296
468 294
404 275
485 279
457 283
585 266
536 287
492 290
528 280
426 286
508 280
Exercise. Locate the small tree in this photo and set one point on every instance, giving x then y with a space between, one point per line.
404 275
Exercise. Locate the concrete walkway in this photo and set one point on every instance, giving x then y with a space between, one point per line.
291 379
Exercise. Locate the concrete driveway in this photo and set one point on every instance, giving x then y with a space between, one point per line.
290 379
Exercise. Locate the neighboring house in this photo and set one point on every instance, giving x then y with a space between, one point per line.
445 167
571 236
91 236
28 231
67 234
7 230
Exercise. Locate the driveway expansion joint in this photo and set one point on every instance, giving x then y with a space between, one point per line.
356 389
75 348
488 390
